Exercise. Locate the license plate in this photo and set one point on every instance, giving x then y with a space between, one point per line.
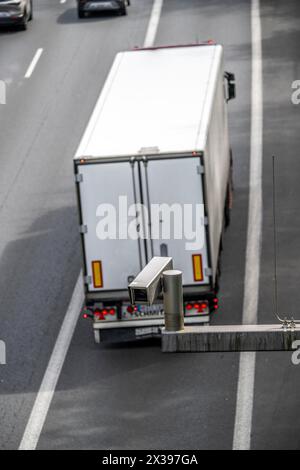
153 330
4 15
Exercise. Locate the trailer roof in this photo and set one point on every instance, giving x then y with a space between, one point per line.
154 101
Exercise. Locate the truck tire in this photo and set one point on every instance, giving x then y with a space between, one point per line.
217 283
31 11
231 169
24 24
229 195
219 267
81 13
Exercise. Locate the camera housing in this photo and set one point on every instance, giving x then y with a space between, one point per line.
147 286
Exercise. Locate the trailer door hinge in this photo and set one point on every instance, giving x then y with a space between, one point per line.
200 169
78 178
87 280
83 229
208 272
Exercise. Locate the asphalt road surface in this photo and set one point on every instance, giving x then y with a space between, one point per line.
131 396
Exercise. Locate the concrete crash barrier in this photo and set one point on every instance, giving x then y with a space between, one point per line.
230 338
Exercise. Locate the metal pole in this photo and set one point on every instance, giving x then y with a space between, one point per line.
173 300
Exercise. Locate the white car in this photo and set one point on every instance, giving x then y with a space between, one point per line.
16 12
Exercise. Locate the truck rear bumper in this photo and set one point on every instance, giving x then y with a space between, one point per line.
111 332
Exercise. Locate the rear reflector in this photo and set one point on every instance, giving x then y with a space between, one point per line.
97 274
197 268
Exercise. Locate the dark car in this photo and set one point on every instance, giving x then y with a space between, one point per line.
15 12
86 7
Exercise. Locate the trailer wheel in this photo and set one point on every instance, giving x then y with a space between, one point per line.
231 170
227 214
31 12
218 276
228 204
229 194
123 9
219 268
217 283
221 245
24 24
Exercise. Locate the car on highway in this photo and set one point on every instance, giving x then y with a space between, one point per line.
86 7
16 12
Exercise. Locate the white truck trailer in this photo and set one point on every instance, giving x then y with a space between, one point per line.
156 148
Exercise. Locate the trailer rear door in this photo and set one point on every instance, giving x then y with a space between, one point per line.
178 181
111 262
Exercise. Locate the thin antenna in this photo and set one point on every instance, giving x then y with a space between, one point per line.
275 241
290 323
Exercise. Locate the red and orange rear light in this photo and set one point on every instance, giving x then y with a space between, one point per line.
87 313
100 313
195 308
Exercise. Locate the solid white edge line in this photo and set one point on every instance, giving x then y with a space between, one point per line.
153 23
46 392
33 63
44 397
245 392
